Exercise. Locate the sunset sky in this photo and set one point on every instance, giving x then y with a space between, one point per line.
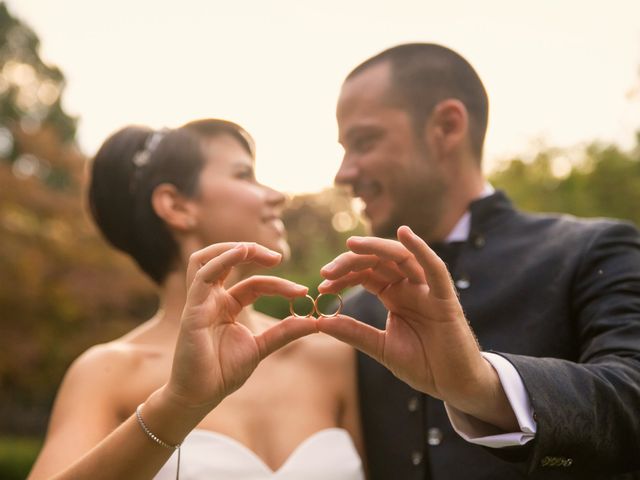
557 73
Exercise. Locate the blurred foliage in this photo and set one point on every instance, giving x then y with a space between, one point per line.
30 90
16 456
61 289
597 180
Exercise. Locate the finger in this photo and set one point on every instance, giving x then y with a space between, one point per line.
284 332
262 255
201 257
390 250
248 291
353 262
216 269
438 276
254 251
346 262
367 279
359 335
241 253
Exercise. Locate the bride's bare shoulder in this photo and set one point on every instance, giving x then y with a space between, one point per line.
112 356
108 363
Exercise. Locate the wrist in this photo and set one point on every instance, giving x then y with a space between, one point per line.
169 418
487 401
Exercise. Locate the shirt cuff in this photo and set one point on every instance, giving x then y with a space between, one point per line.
478 432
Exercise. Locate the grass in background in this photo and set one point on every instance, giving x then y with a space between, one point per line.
17 454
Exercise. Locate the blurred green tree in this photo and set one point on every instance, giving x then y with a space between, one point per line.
30 89
597 180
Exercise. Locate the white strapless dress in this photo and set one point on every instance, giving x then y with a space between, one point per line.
326 455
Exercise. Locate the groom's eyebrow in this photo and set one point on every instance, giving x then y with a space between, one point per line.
357 131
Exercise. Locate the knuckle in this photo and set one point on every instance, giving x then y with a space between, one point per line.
198 277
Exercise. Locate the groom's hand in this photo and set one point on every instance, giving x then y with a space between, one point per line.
427 342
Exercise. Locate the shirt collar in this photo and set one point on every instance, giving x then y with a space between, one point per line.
460 232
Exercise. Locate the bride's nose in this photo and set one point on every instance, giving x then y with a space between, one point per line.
275 197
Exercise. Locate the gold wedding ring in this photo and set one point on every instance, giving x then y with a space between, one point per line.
322 314
293 311
315 308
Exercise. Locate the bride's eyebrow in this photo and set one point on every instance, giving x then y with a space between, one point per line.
243 168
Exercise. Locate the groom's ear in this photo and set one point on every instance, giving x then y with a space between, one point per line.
447 128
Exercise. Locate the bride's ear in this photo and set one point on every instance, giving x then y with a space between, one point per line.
177 211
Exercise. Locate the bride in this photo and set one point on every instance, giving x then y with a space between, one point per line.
208 387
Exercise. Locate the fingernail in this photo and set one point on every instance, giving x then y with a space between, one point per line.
329 266
353 240
324 283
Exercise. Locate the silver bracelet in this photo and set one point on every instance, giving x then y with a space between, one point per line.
155 438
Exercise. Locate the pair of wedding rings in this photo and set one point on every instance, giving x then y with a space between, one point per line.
315 308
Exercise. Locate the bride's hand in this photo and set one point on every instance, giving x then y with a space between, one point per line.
215 354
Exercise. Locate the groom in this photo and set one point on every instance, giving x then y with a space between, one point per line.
551 386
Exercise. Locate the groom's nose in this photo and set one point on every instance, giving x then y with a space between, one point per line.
347 174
